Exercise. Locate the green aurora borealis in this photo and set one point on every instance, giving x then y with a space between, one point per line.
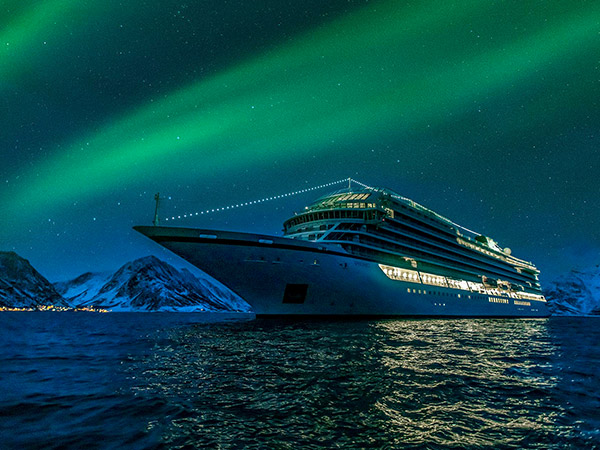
487 111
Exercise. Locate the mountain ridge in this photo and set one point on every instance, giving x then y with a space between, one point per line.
22 286
150 284
575 293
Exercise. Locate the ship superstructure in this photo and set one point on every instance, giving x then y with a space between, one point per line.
410 241
365 251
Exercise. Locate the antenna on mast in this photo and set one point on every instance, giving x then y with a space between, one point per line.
156 220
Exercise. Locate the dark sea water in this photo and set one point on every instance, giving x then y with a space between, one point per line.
145 381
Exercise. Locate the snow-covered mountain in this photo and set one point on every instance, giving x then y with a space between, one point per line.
149 284
83 288
575 293
21 286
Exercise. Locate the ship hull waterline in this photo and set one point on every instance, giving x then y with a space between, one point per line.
285 277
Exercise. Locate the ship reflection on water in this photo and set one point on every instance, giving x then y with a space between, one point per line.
396 383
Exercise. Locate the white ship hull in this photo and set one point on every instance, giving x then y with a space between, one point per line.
285 277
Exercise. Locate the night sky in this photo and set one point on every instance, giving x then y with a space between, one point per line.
485 111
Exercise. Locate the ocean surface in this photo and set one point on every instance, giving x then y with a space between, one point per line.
184 381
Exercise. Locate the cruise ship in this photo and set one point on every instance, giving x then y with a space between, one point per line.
364 252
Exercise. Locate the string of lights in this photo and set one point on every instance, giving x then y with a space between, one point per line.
362 184
254 202
416 205
314 188
439 216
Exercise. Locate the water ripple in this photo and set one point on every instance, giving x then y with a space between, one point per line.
162 381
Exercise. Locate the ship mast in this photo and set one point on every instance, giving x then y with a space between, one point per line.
156 220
